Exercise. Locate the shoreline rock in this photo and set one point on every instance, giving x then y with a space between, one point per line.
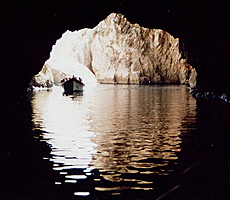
210 96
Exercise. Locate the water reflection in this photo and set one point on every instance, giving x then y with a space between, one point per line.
125 133
139 130
65 124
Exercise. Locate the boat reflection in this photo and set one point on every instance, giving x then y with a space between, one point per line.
73 94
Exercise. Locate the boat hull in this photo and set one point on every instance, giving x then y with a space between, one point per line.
77 87
73 85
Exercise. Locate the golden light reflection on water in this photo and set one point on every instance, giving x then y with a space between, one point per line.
140 124
115 129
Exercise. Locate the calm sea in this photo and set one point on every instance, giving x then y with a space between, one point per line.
117 142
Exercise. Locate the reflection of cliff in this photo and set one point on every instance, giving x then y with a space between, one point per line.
121 52
120 130
139 130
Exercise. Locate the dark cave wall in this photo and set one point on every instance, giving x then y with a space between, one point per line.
204 36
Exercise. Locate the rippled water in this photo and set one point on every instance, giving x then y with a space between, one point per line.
117 140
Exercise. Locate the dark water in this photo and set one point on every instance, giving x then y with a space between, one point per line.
117 142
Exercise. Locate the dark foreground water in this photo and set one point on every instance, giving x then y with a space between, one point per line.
116 142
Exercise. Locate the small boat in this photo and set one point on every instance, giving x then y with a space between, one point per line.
72 85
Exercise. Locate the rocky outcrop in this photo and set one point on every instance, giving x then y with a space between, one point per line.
44 78
116 51
209 96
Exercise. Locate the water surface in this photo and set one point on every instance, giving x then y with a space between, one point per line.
120 141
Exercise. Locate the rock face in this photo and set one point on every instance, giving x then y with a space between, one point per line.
117 51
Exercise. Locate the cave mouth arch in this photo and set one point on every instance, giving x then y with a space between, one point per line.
63 68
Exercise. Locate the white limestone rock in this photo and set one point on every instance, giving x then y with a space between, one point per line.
117 51
43 79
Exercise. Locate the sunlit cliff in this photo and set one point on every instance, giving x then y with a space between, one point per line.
116 51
